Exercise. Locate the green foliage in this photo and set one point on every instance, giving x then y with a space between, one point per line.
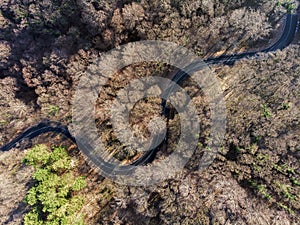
53 198
295 182
286 190
37 156
53 110
288 5
284 169
78 184
285 106
261 189
266 112
286 208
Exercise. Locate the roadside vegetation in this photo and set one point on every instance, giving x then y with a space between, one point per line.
289 5
54 197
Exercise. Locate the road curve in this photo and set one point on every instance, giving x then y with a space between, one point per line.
285 39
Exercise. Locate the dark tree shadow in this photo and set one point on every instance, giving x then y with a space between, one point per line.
34 31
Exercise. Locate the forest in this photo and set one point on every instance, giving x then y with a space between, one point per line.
47 47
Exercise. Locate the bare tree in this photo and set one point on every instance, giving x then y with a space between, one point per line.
250 24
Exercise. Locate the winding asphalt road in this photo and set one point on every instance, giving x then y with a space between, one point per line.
49 126
291 25
285 39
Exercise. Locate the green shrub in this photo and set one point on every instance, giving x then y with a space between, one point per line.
53 110
266 112
288 5
53 198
